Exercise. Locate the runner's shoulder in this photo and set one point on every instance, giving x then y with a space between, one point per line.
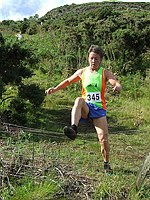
80 71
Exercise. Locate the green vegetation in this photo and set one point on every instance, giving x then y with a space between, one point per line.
39 162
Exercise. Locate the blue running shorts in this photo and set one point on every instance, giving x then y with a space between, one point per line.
94 112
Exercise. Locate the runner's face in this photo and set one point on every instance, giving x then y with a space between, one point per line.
94 60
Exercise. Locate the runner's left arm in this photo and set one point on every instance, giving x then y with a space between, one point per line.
113 81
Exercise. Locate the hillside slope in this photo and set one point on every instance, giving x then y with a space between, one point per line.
77 9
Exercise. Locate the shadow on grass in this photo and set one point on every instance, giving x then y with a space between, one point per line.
49 123
53 120
122 130
85 132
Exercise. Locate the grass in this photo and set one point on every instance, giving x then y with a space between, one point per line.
72 170
35 191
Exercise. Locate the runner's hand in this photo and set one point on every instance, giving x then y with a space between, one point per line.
117 88
49 91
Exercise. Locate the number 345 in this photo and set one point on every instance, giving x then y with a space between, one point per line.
93 97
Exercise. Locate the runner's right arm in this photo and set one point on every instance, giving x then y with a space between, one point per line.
72 79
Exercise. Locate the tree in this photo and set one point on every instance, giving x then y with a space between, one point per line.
16 65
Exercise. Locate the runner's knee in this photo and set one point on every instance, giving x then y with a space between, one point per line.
79 102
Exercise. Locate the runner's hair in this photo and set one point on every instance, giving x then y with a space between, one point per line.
96 49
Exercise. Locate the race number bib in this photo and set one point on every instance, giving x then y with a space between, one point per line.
93 97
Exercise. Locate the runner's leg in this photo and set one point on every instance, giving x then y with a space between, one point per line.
80 109
102 132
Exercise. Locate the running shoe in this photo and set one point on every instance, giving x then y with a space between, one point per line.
107 168
70 132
